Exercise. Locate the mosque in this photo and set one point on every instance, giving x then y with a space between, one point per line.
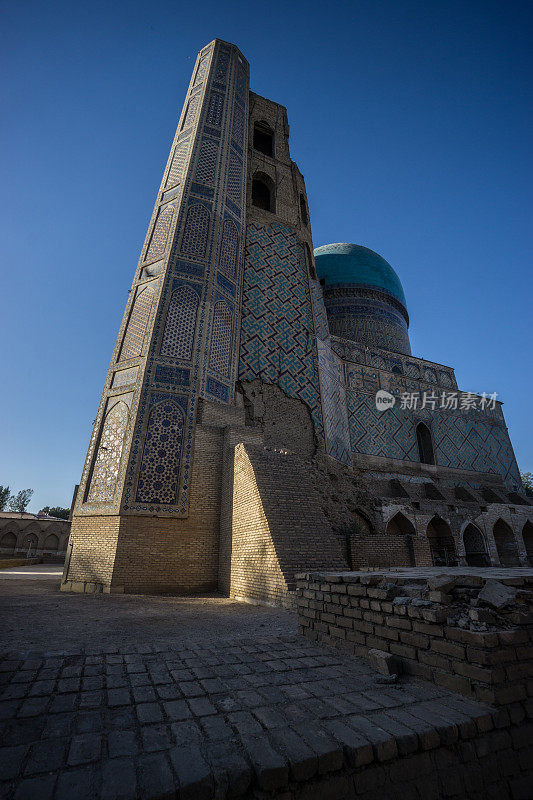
262 414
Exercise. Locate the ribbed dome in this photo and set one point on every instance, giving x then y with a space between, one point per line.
347 264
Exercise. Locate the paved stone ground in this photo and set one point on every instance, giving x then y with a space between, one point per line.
141 697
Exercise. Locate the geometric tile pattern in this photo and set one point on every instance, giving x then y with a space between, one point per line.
466 440
196 230
180 324
234 178
221 339
229 246
207 161
159 472
190 114
214 111
334 410
178 162
237 130
277 324
159 240
133 344
200 72
107 461
222 67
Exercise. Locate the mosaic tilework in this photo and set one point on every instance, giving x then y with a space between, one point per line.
200 72
240 81
221 338
190 114
229 246
319 311
277 342
215 108
159 473
430 376
196 230
207 161
161 232
125 377
237 130
221 67
175 376
469 441
177 164
107 461
334 410
180 324
134 339
234 186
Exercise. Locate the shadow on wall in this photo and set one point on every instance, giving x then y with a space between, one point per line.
278 528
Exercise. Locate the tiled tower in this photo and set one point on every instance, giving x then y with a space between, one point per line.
133 523
239 440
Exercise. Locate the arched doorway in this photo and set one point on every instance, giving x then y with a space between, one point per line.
441 543
399 525
29 544
527 535
51 543
425 445
505 544
8 542
475 547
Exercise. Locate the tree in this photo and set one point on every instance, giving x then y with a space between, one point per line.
20 502
4 497
57 511
527 480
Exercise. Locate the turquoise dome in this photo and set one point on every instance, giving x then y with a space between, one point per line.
353 264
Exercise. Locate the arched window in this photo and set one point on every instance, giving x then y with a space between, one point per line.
303 210
263 193
396 370
475 547
505 544
527 535
51 542
264 139
399 525
441 543
425 445
8 541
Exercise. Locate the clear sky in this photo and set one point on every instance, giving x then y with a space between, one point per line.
411 122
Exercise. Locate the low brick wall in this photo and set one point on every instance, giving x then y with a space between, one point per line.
356 612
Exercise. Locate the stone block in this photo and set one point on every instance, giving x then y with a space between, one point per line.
496 594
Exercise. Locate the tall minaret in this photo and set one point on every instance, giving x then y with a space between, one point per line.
134 526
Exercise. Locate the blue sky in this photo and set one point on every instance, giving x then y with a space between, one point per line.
409 120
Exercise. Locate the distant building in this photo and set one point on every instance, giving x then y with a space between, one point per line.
32 534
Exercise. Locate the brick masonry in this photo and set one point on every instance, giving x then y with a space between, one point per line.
430 638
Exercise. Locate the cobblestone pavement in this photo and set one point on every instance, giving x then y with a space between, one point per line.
200 715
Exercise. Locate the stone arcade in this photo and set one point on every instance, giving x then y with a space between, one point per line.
237 441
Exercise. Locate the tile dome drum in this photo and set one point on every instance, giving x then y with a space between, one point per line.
364 298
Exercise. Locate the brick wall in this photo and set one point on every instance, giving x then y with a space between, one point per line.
357 612
277 526
388 550
155 554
